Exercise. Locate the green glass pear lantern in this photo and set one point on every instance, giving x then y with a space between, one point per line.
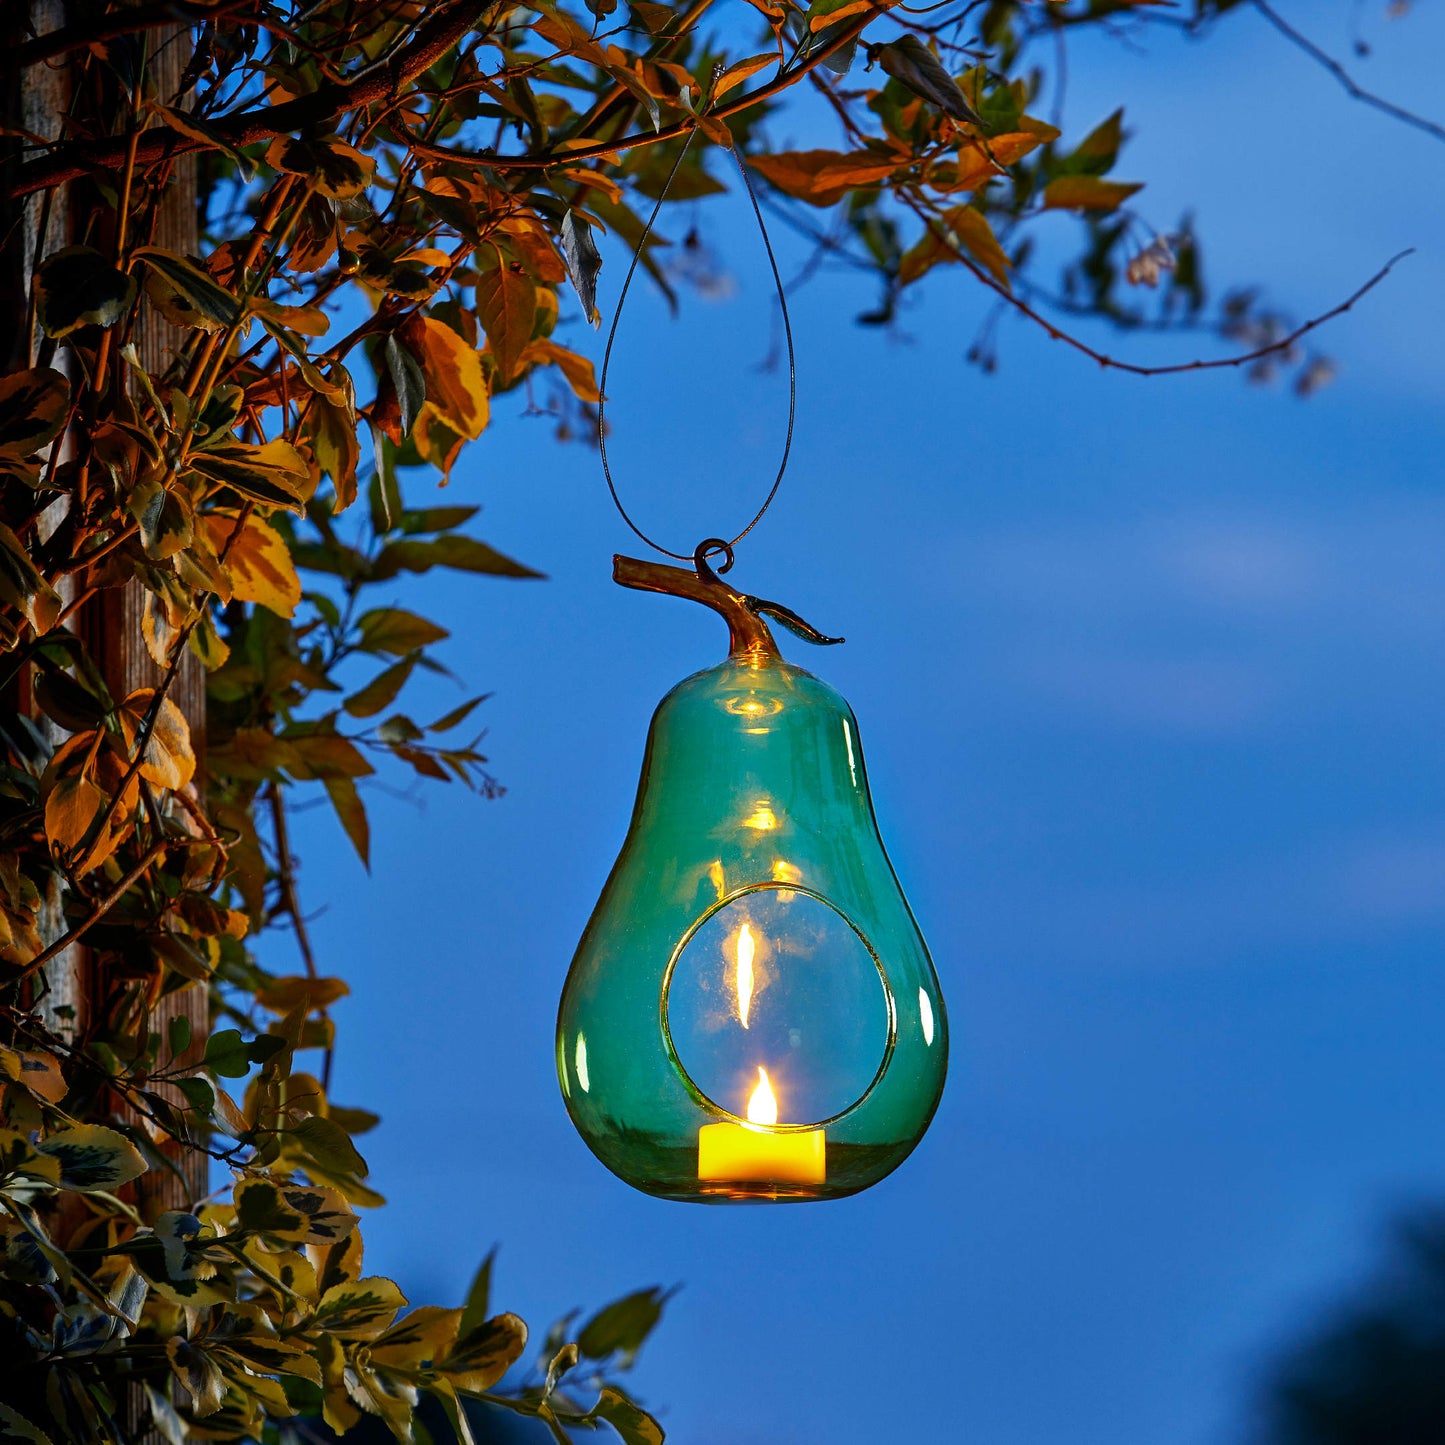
751 1013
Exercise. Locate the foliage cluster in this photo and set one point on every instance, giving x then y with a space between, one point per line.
426 180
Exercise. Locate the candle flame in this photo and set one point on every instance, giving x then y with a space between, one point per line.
762 1107
745 951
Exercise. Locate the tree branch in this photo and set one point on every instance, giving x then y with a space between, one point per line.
119 22
1356 91
450 20
101 909
1133 369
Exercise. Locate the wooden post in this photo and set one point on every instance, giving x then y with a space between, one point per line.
38 102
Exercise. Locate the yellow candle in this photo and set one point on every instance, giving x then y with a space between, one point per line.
735 1153
747 1153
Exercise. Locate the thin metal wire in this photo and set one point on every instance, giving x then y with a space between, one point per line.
713 544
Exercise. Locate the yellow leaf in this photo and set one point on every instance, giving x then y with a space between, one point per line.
308 320
169 761
577 369
480 1358
972 229
739 71
977 165
70 810
435 441
1087 193
258 560
418 1341
428 256
960 229
841 12
455 386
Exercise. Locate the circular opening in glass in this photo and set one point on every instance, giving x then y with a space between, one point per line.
776 1010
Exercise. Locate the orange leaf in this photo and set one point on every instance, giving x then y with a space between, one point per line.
1087 193
507 308
70 809
577 369
823 177
456 390
739 71
169 760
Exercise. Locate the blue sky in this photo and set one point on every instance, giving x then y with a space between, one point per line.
1148 676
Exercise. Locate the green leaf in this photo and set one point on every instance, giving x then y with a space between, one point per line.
23 587
199 1094
635 1426
406 376
359 1309
33 406
623 1325
329 1145
395 631
185 294
416 520
178 1034
461 554
457 714
910 62
226 1054
67 700
474 1312
1097 152
381 691
78 287
93 1157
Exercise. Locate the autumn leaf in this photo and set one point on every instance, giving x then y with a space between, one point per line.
336 169
456 390
577 369
507 308
1087 193
822 178
78 287
962 228
169 760
32 409
258 561
740 70
275 474
72 806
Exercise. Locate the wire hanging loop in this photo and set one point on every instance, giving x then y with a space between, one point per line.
712 545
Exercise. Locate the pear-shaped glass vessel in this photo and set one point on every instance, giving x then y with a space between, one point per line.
751 1013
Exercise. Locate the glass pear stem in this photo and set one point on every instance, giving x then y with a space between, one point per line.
748 634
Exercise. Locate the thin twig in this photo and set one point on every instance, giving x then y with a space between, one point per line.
1132 368
291 903
1351 86
101 909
